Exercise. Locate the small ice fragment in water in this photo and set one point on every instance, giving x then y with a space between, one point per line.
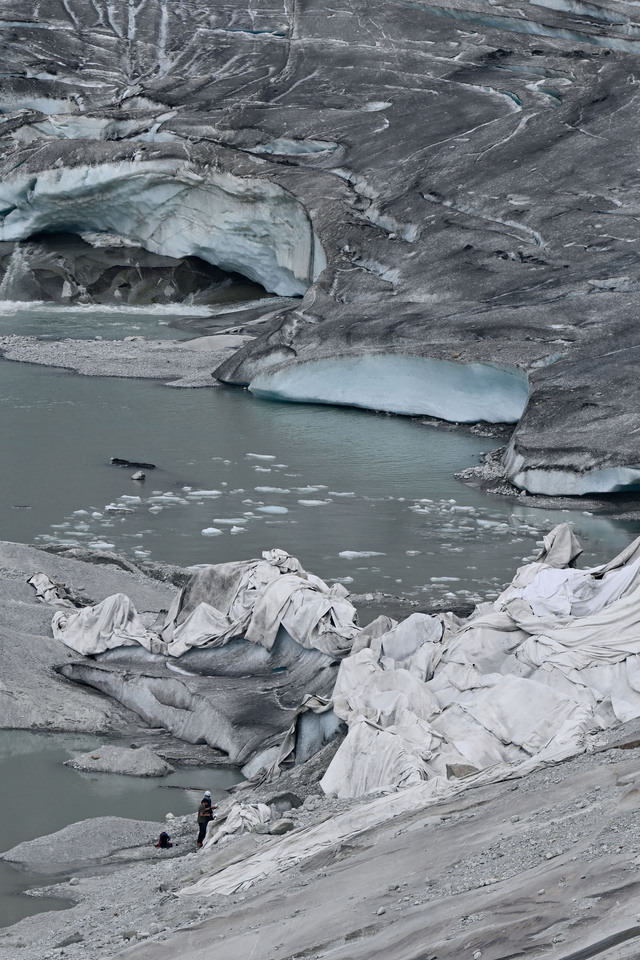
261 456
211 532
273 509
356 554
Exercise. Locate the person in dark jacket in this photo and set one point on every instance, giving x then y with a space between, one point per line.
205 816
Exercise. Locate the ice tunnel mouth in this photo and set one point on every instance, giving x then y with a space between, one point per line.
395 383
242 225
105 270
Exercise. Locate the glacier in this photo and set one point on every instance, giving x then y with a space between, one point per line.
413 386
177 209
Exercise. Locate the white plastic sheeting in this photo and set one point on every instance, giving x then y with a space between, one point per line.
520 682
242 818
250 599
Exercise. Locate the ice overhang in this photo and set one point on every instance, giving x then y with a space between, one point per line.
242 224
413 386
556 482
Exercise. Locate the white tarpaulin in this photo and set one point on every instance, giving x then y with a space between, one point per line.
242 818
524 679
250 599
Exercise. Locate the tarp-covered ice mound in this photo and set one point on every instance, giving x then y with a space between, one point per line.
250 599
245 660
522 681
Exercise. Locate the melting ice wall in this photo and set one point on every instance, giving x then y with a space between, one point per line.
414 386
239 224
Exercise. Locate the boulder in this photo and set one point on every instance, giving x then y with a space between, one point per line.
140 762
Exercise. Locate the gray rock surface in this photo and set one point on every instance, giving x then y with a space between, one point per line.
139 762
32 695
86 840
455 182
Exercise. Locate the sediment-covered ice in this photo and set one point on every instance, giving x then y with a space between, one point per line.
571 483
462 393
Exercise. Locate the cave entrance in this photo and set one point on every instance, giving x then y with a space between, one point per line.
103 269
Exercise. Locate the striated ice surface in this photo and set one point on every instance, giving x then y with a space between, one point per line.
458 392
240 224
293 148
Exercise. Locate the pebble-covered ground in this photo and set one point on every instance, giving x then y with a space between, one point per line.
537 867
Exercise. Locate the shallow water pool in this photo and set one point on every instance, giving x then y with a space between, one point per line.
40 795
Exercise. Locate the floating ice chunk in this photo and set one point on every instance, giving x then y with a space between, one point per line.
356 554
313 503
444 579
211 532
271 490
413 553
273 509
96 515
130 498
101 545
155 509
260 456
204 493
262 469
81 513
414 386
232 520
335 493
237 530
308 489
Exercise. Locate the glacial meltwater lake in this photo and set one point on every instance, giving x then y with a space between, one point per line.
360 497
